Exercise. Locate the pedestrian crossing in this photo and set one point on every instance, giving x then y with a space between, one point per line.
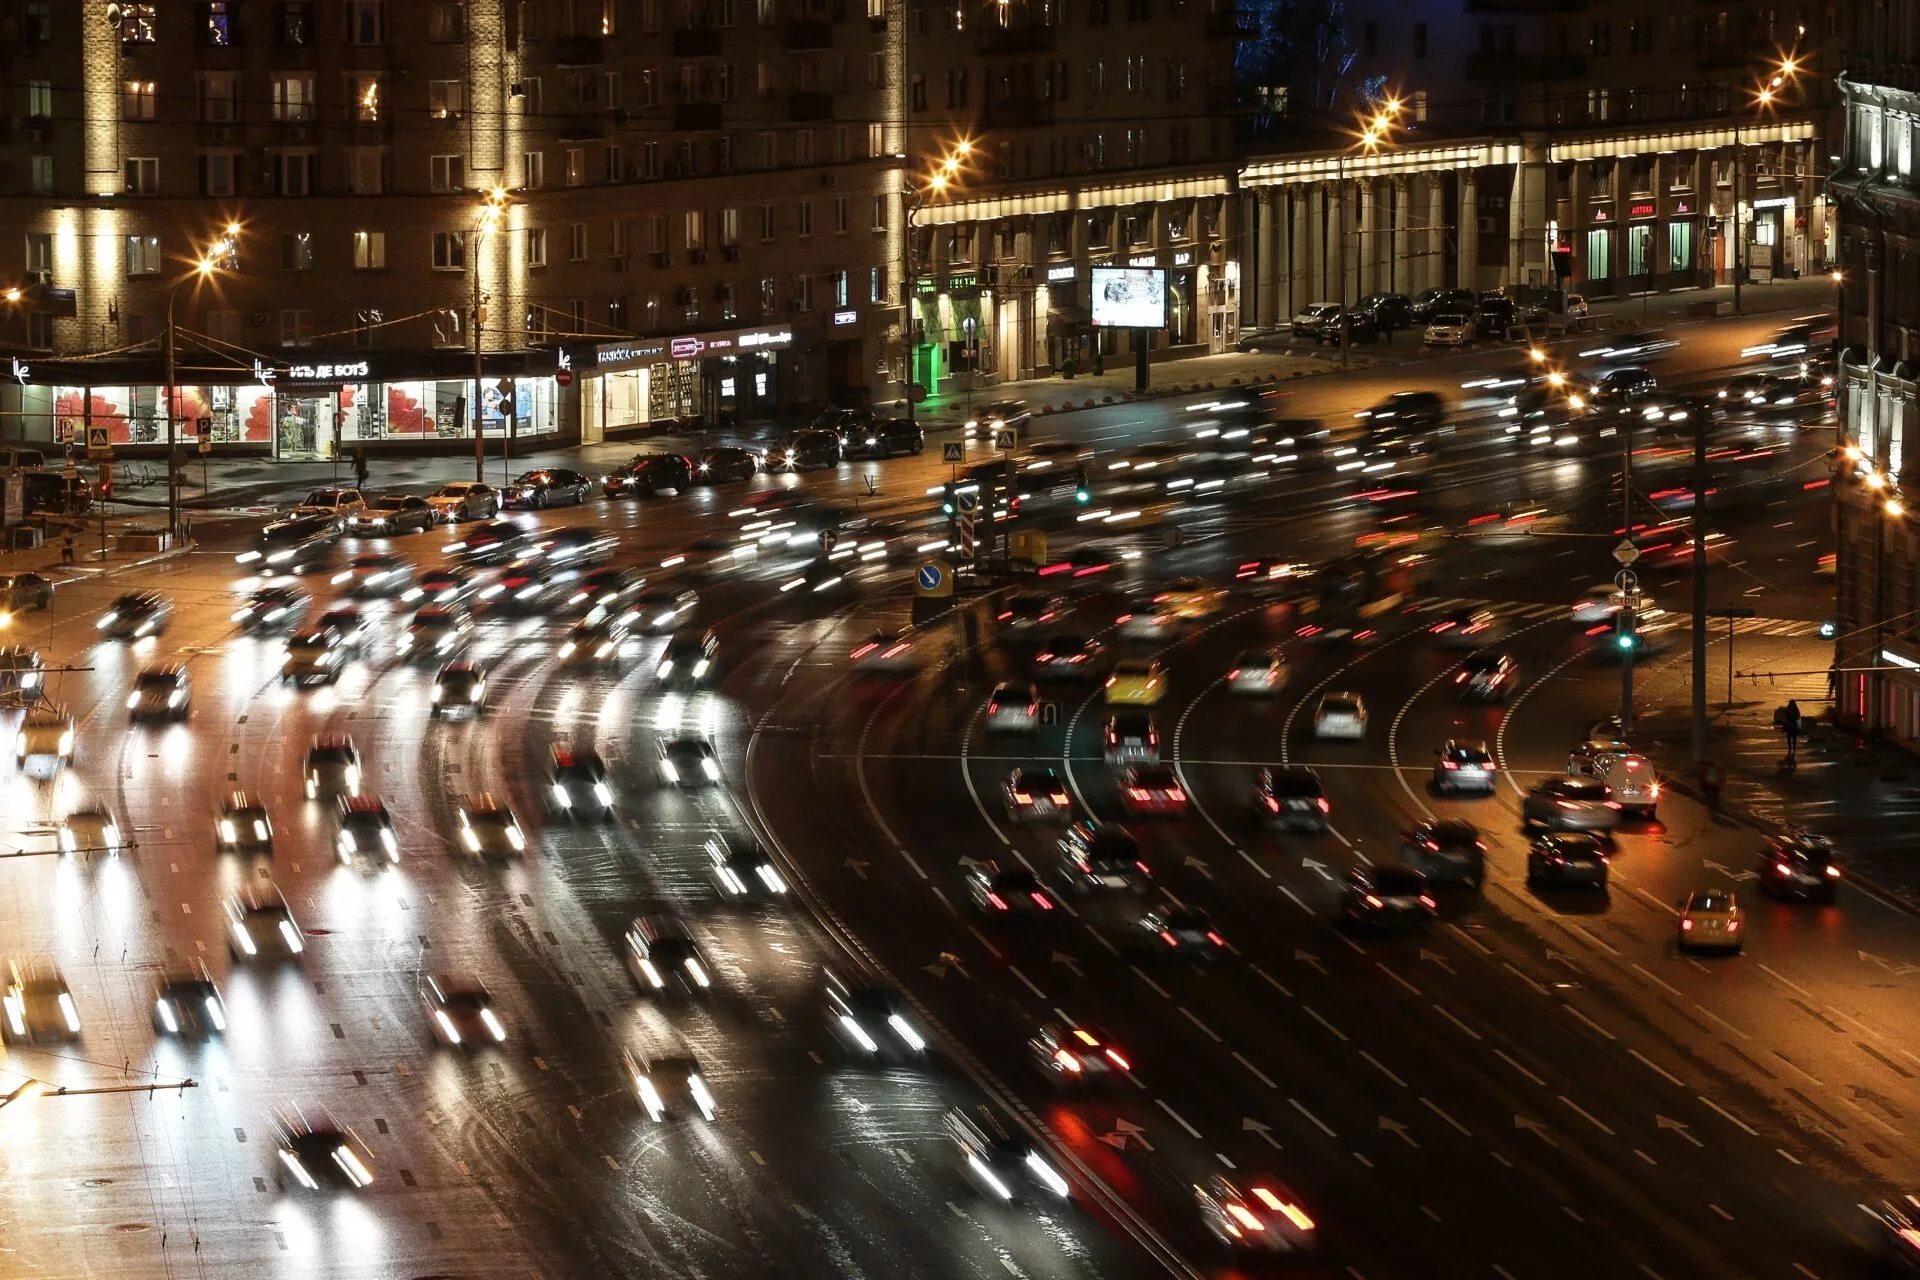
1526 611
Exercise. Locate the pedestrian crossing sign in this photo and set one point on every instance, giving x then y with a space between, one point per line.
99 443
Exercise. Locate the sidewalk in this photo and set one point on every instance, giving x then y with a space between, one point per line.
94 556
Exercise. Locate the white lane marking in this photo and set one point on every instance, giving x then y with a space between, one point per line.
1789 1158
1397 978
1434 1107
1445 1013
1150 982
1512 710
1588 1116
1260 1075
1668 987
1469 939
1728 1116
1195 1020
1722 1021
1312 1013
1515 1064
1180 771
1015 971
1272 981
1177 1119
1382 1068
1302 1109
1589 1021
1657 1069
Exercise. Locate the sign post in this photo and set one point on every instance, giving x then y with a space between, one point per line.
967 505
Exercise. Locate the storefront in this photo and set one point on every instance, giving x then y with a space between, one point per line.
955 331
729 376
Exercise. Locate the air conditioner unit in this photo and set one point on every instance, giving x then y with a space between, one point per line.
259 319
619 262
223 134
39 277
663 259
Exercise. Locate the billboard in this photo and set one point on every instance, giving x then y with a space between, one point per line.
1130 297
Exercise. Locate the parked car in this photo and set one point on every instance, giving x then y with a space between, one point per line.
545 487
392 513
887 438
51 493
813 447
1449 329
1263 338
1307 323
464 500
1388 311
1356 326
1431 302
649 473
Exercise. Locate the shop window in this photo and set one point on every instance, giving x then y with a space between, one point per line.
1640 251
1599 253
1680 245
1766 232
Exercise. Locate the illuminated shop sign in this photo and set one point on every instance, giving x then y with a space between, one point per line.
1067 272
328 372
845 317
694 346
1645 209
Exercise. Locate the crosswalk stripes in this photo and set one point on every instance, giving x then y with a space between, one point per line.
1534 611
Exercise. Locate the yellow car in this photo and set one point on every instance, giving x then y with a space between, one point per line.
1189 598
1136 682
1711 920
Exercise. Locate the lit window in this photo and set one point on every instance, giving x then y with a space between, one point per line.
536 246
449 251
293 97
137 23
143 255
446 99
296 251
138 100
369 250
219 28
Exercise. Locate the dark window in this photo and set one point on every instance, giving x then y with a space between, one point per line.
1369 38
1419 39
296 23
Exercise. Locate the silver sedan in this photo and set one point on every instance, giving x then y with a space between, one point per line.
1570 803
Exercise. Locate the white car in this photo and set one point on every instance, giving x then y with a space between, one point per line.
91 828
464 500
1013 707
1340 715
1257 672
1602 601
1449 331
45 743
339 503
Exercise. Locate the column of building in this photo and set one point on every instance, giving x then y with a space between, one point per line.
1302 249
1433 253
1469 237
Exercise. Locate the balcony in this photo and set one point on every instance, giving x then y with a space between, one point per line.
803 34
1013 113
697 42
696 117
1525 68
579 51
1229 24
809 104
1019 37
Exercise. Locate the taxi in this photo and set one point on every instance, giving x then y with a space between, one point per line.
1711 920
1136 682
1189 599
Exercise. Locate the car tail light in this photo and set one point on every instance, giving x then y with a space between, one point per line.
993 708
1273 804
1374 902
1781 869
1242 1215
999 903
1169 939
869 647
1612 804
1234 674
1041 900
1033 708
1326 806
1176 794
1110 680
1449 764
1060 798
1143 868
1461 678
1136 793
1733 926
1216 939
1655 791
1439 627
1118 1059
1428 902
1021 797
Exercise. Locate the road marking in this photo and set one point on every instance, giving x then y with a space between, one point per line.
1537 988
611 1162
1177 1118
1469 939
1014 970
757 1157
1717 1209
1258 1073
1655 1067
1669 988
1589 1021
1150 982
1397 978
1338 1033
1722 1021
1788 1155
1727 1115
1769 971
1301 1108
1296 899
1442 1009
1434 1107
1191 1017
1801 1269
992 950
1381 1068
1271 981
1502 1055
1644 1156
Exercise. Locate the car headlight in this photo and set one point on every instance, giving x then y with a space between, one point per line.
651 974
905 1031
66 742
470 838
391 845
291 936
666 767
711 769
665 669
492 1024
176 698
69 1014
245 939
560 796
700 668
227 835
603 793
163 1011
434 694
348 844
107 620
260 831
518 841
447 1028
133 701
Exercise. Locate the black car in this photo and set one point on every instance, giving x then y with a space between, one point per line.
392 513
1387 896
1619 388
1388 311
1799 864
51 493
1448 850
136 615
527 585
1568 857
814 447
546 487
1429 303
724 462
648 474
288 546
886 439
1291 798
1358 326
579 785
847 424
1405 411
493 542
271 609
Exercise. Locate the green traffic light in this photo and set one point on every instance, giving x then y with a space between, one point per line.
1625 640
1083 495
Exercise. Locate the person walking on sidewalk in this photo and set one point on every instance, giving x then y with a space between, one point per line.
1712 779
1790 725
360 466
66 547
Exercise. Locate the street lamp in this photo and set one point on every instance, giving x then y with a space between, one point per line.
1372 137
943 176
488 218
1766 96
223 253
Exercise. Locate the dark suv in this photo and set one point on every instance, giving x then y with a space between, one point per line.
1439 302
814 447
885 439
649 473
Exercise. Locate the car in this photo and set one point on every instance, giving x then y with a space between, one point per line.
1633 784
1898 1220
187 1002
1185 933
844 423
1388 311
440 586
135 616
1263 338
1067 656
1190 599
1403 412
887 438
1152 789
290 545
241 825
392 513
1100 857
1143 618
51 493
662 955
690 657
44 744
1568 858
260 926
871 1020
598 639
812 447
89 828
526 585
1429 302
270 610
161 693
1002 1163
578 783
39 1005
718 464
1077 1056
1013 707
1137 682
319 1152
345 626
1011 892
22 670
1446 851
1618 389
1340 714
1036 795
1257 673
603 588
1453 329
375 573
892 652
659 610
546 487
1570 803
313 657
1390 895
1799 864
688 761
671 1085
364 829
459 689
711 558
434 633
1486 676
460 1010
491 542
332 767
1131 738
1602 602
336 503
1310 319
1465 628
998 415
740 868
1290 797
20 592
649 474
464 500
488 829
1464 764
1711 920
573 547
1250 1214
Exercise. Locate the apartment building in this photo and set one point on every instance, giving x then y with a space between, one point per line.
1876 191
1603 147
1095 133
697 216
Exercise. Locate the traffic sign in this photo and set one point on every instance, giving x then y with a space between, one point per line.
933 578
1006 439
953 451
563 377
1626 553
99 442
1626 581
203 426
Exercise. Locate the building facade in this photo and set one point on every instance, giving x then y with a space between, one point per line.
1876 191
697 216
1597 148
1090 133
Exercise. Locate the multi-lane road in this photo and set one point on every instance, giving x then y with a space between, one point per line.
1537 1085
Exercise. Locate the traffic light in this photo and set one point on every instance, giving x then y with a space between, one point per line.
1082 489
1626 639
947 504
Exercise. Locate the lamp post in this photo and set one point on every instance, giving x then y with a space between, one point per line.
1785 74
944 175
487 219
1373 136
222 254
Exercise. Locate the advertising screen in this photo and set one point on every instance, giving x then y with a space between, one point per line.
1130 297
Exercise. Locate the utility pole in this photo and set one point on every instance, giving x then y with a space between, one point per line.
1626 553
479 441
173 450
1739 165
1700 410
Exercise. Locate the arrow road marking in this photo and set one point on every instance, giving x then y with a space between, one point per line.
1896 969
1679 1127
1398 1130
1073 966
1431 958
856 866
1319 867
1311 961
1534 1127
1200 866
1250 1125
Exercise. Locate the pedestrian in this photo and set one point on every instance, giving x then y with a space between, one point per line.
66 547
360 466
1712 779
1833 682
1790 724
